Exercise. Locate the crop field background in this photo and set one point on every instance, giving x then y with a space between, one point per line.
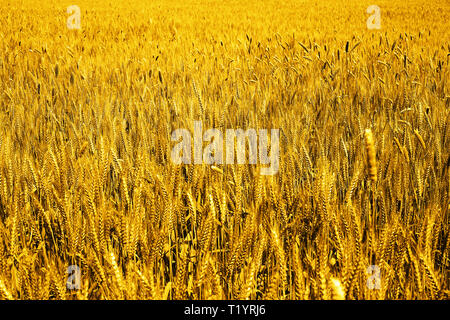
359 208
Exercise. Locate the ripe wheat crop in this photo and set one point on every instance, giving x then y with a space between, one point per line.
359 208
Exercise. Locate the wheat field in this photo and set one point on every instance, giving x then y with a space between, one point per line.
359 208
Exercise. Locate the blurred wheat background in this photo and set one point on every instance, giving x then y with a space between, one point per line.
86 177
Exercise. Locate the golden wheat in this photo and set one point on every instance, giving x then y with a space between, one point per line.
86 177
